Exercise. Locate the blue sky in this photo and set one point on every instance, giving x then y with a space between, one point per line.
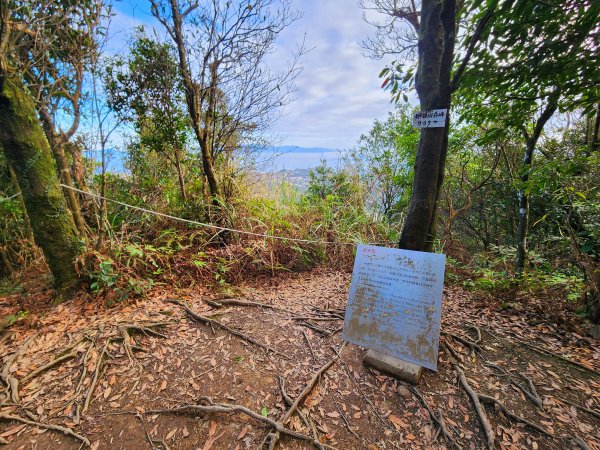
339 92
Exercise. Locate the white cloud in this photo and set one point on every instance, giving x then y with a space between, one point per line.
339 92
338 95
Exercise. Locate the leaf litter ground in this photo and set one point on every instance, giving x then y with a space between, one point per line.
185 369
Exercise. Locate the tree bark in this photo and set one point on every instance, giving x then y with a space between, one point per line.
193 98
26 148
178 166
26 221
64 170
437 34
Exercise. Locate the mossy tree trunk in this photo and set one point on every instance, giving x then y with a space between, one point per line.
26 221
26 148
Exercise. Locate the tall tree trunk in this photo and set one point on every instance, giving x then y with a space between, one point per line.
437 34
89 209
26 148
178 166
64 171
103 219
26 221
522 195
595 142
194 98
523 215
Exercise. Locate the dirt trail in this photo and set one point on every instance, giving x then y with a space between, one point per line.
119 374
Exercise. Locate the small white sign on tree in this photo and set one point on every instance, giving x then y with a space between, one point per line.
436 118
395 303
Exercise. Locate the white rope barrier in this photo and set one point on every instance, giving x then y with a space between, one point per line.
214 227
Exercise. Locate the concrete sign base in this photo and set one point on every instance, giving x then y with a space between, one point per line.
405 371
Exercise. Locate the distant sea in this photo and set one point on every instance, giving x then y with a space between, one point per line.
290 158
273 159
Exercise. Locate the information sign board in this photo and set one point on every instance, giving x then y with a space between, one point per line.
436 118
395 303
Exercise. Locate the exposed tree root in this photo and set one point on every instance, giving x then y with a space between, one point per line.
274 437
483 419
317 318
580 443
362 393
240 302
202 319
530 393
312 352
513 342
473 347
439 421
12 384
49 365
478 331
97 373
289 402
596 414
149 438
515 417
207 406
345 419
322 331
126 329
49 426
339 313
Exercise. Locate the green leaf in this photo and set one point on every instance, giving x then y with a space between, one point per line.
264 412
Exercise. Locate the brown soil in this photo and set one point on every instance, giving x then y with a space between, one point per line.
351 406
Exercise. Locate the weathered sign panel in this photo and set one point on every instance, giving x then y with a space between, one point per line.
395 303
436 118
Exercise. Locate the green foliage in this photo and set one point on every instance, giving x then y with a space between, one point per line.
104 277
493 276
123 278
144 90
326 182
510 72
384 160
